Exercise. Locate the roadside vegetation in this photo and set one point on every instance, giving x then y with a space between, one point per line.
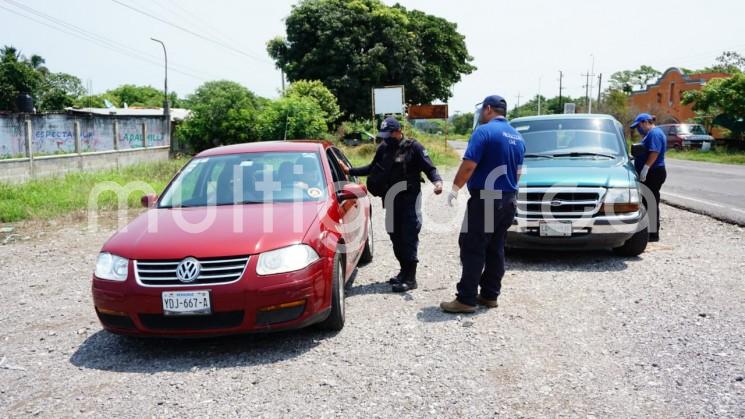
715 156
54 197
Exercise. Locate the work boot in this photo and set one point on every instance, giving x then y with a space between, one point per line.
456 306
396 279
487 303
408 279
654 237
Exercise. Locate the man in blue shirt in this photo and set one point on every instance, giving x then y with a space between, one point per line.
651 165
491 167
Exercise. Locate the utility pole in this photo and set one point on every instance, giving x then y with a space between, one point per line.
587 89
539 95
517 107
282 72
561 104
166 104
592 80
600 83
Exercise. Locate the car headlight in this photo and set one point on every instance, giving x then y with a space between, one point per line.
621 200
111 267
286 259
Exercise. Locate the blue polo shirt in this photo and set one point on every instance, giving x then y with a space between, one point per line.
655 140
499 150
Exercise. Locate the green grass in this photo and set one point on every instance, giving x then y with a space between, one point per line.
716 156
53 197
441 154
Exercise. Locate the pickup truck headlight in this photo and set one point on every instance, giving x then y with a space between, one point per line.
286 259
621 201
111 267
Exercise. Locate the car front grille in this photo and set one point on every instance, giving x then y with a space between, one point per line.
213 271
225 320
559 202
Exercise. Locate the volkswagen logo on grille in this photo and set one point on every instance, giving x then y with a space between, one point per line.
556 203
188 270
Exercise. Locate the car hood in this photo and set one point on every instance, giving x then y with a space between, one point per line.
577 172
203 232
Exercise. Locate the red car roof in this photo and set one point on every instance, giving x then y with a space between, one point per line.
265 146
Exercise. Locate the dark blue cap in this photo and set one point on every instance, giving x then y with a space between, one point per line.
641 118
495 101
389 125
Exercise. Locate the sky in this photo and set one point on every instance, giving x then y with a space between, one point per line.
519 47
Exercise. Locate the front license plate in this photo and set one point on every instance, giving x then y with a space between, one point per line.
555 229
176 303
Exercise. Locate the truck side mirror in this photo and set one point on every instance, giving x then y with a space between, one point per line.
638 150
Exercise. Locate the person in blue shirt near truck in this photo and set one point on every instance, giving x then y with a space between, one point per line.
651 165
491 168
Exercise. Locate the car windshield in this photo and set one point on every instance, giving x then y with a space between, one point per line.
570 137
692 129
247 178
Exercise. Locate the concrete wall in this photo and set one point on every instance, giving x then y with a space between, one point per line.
33 146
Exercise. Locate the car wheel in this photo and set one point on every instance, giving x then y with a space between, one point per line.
634 246
367 253
335 320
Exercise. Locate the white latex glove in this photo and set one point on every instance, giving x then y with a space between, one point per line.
453 196
644 173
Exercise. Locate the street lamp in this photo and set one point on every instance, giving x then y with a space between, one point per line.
166 105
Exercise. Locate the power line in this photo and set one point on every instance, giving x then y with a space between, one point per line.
191 32
80 33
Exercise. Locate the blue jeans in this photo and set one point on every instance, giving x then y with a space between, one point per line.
481 243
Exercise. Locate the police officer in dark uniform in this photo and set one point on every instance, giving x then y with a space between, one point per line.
395 175
491 166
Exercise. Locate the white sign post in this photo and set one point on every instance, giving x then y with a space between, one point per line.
388 100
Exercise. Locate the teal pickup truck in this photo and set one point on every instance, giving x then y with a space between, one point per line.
578 189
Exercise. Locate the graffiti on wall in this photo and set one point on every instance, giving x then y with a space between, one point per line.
55 134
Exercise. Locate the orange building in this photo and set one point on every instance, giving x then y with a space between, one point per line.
662 98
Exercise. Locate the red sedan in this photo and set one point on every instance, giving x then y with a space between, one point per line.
249 237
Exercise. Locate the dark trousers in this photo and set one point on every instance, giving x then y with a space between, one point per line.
406 225
482 245
655 178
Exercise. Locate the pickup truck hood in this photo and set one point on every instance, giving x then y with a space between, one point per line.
577 172
163 233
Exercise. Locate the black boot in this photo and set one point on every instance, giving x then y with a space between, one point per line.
396 279
409 279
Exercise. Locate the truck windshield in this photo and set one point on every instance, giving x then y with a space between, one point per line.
692 129
571 138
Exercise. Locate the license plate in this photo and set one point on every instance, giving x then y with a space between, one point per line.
555 229
177 303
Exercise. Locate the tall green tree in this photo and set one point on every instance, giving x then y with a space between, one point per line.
292 117
59 91
223 112
462 123
353 46
17 76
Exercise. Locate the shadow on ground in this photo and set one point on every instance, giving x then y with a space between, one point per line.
569 261
110 352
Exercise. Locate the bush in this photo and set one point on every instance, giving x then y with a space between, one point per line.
321 95
291 117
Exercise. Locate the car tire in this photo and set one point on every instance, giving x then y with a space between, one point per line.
367 253
335 320
634 246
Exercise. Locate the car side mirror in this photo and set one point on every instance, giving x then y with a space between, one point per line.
638 150
351 191
149 200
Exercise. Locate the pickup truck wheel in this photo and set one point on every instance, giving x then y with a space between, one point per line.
634 246
335 320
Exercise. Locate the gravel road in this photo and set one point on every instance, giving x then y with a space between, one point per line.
575 335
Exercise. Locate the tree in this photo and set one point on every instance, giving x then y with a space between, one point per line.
353 46
729 62
623 81
16 76
131 95
292 117
223 112
644 75
721 96
462 123
316 91
59 91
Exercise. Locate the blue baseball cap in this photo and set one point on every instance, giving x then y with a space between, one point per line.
641 118
388 126
495 101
